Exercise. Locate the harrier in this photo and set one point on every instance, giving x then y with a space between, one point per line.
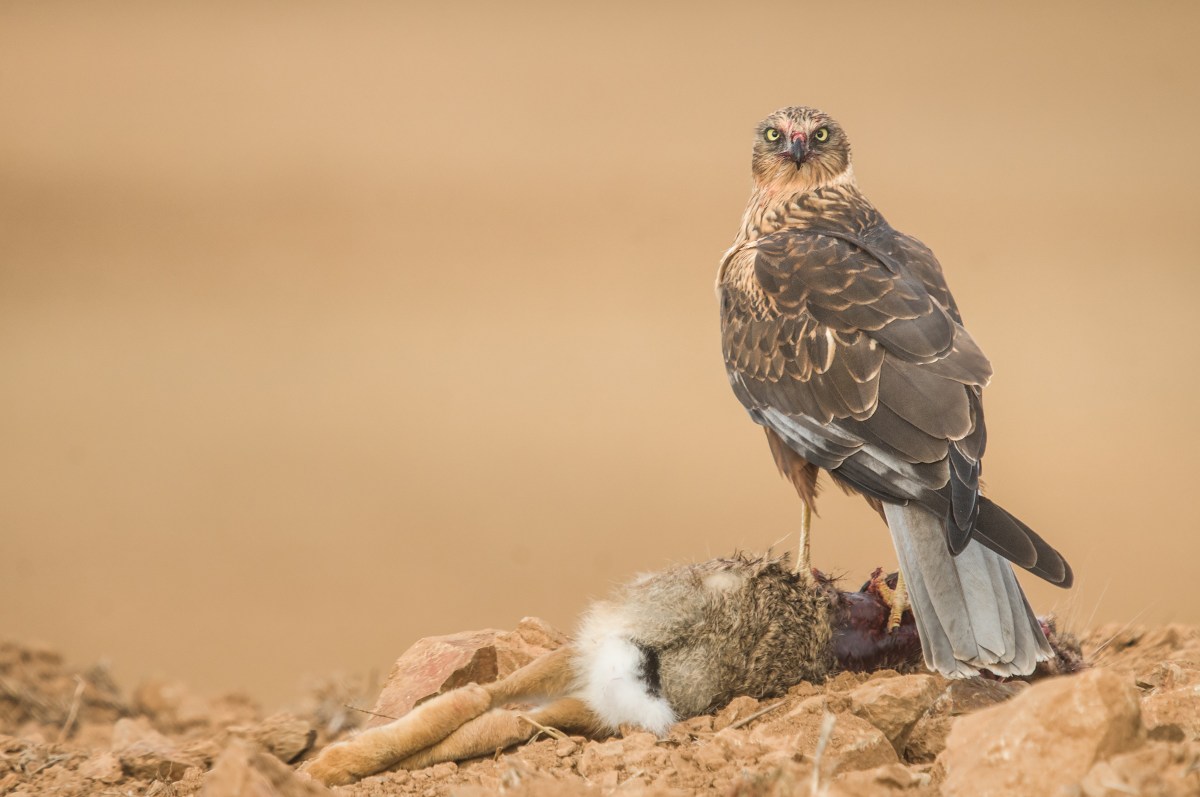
842 340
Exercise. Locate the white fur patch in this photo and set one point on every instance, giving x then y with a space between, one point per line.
610 682
723 581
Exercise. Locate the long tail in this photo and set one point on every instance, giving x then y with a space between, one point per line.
969 609
1019 544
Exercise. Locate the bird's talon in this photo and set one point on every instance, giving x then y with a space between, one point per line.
896 615
896 598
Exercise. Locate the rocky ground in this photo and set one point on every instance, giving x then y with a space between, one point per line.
1128 724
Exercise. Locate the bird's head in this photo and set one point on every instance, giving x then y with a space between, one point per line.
800 149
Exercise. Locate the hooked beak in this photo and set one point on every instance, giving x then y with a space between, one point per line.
798 151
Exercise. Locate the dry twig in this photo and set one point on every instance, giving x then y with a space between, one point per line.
80 684
744 721
827 724
368 711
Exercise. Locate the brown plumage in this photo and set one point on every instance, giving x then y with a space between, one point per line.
793 467
842 339
803 474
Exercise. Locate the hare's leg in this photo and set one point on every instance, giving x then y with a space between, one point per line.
429 723
545 677
378 748
503 728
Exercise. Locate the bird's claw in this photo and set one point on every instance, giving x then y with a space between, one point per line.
895 597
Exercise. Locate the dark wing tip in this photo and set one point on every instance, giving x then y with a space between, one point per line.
1006 535
1068 579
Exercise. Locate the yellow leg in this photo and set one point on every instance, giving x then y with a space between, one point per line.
803 560
896 598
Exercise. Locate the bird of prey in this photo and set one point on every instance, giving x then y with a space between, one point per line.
842 340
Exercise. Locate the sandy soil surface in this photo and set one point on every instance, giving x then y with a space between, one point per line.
1127 724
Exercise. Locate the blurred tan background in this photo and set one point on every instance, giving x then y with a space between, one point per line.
326 326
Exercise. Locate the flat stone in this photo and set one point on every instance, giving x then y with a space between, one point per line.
853 744
1043 740
104 767
1155 769
961 696
711 757
884 781
893 705
285 736
1174 711
147 754
531 639
434 665
1167 675
247 771
438 664
601 757
739 708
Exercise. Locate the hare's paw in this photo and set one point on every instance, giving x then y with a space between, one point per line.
341 763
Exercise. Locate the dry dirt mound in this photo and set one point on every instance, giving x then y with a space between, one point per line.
1128 725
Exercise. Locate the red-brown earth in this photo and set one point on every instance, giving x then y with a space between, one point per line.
1128 724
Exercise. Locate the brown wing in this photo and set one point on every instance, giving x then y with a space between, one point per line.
858 360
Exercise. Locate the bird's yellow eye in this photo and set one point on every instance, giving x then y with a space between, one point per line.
772 134
822 134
